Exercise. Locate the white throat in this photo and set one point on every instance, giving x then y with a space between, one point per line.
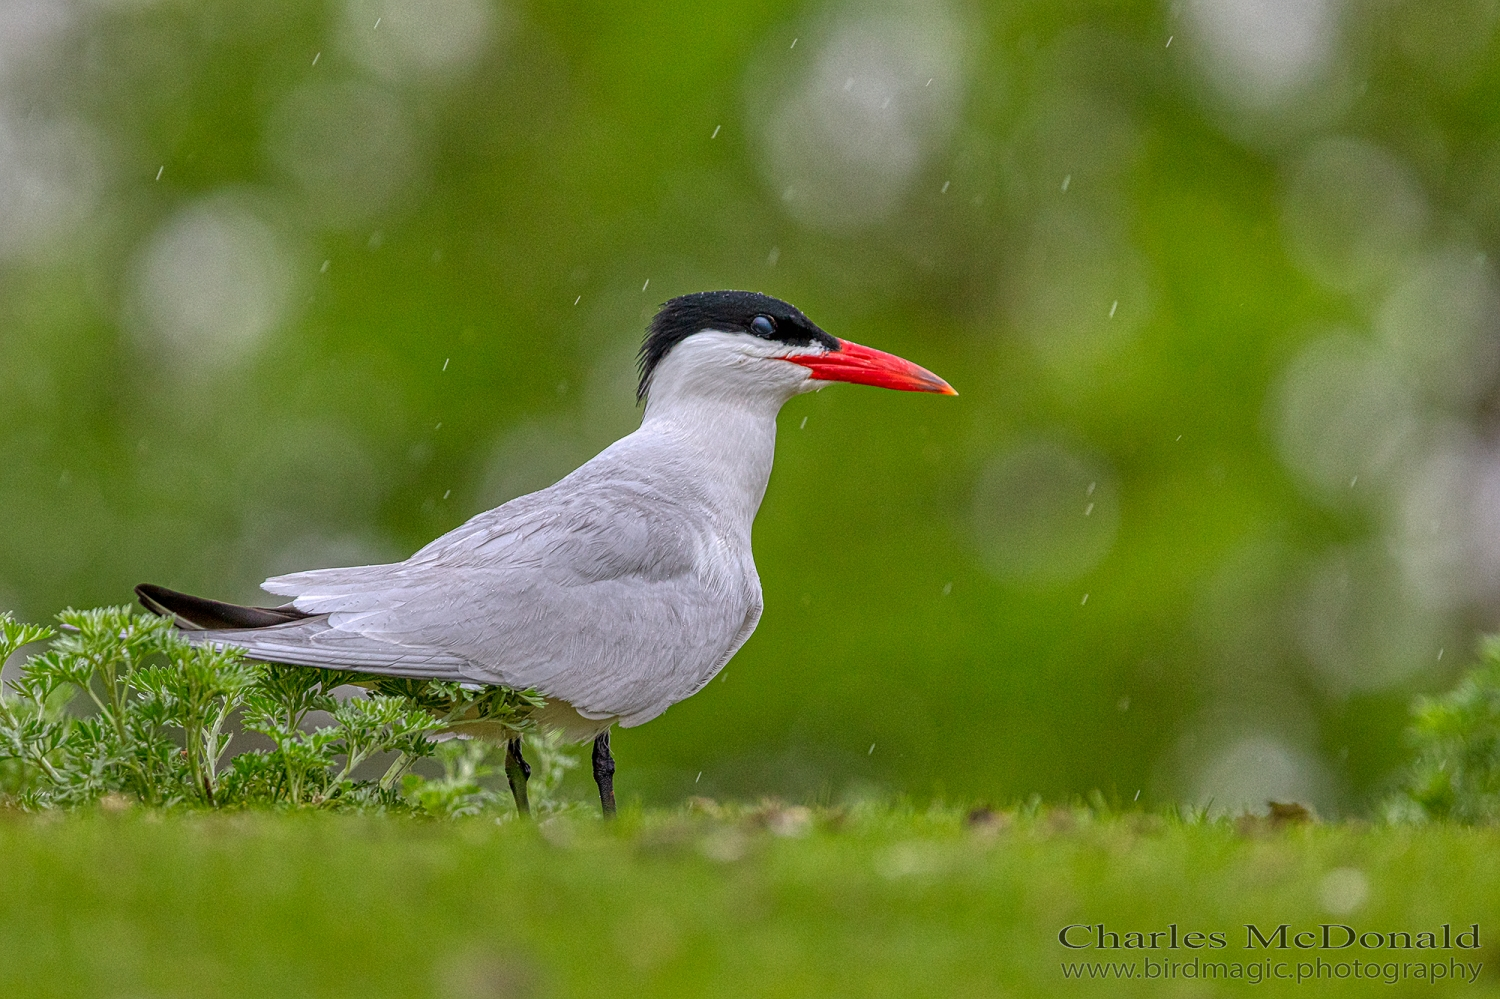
713 400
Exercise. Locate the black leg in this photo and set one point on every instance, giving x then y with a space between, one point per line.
517 771
604 773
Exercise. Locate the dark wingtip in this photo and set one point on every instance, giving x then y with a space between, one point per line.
148 595
200 613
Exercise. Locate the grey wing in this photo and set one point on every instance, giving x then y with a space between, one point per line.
604 597
314 642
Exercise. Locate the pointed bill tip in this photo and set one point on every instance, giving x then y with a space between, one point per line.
861 365
926 382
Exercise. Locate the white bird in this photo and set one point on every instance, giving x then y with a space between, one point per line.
616 592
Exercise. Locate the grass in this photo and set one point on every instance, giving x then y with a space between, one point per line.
873 900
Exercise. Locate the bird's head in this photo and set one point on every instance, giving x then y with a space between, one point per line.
743 342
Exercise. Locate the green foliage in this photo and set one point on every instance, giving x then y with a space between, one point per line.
121 703
1456 773
462 707
466 762
459 791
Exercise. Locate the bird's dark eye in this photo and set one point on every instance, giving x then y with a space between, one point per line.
763 326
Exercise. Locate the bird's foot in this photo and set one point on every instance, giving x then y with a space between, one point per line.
604 774
517 771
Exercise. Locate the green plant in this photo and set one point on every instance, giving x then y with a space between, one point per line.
460 791
158 717
467 761
1456 772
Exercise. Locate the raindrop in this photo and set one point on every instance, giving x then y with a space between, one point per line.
578 299
1074 264
1085 600
1344 412
1066 181
803 424
1179 437
929 81
871 751
159 171
849 131
646 285
1092 486
947 588
324 268
773 256
699 777
1027 526
439 426
1088 509
945 187
316 58
1113 307
716 132
793 45
1169 45
1440 655
1137 795
447 493
445 363
424 38
377 24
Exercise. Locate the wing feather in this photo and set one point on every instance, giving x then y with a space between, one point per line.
315 643
599 591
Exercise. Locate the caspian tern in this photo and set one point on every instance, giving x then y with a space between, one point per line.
616 592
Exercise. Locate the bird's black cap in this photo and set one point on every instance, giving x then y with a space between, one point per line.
727 312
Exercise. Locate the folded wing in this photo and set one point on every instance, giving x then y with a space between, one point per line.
603 595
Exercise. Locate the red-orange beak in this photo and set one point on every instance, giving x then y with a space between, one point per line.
862 365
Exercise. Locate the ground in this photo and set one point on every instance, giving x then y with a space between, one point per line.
708 900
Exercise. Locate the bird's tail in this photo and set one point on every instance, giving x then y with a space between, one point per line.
296 638
192 613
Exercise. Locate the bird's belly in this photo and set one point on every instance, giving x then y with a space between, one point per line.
563 717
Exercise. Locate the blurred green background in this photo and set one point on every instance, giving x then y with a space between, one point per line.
285 285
